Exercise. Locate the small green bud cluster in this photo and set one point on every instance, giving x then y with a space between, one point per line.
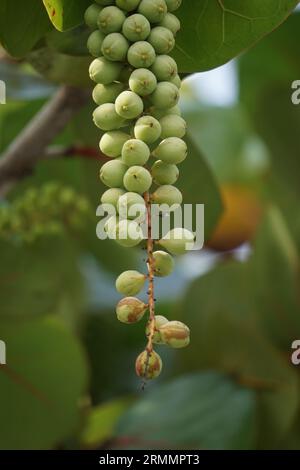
52 209
137 92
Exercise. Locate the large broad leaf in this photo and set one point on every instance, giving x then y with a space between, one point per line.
276 280
201 411
215 31
66 14
22 24
41 384
198 186
220 311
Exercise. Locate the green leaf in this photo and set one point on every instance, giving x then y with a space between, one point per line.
101 422
42 274
22 25
198 185
206 411
275 264
66 14
214 32
41 384
220 308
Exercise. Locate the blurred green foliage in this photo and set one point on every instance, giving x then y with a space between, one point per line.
69 374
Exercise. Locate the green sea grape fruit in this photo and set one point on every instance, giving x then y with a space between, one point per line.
104 71
94 43
129 105
148 366
164 173
167 194
112 196
154 10
164 68
172 125
147 129
107 93
131 205
162 39
111 19
175 334
112 173
129 233
136 28
141 55
173 4
137 179
106 118
112 142
135 152
163 263
128 5
171 150
177 241
166 95
115 47
171 22
91 16
130 282
130 310
143 82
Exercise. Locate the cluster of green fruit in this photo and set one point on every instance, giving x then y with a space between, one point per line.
53 209
137 93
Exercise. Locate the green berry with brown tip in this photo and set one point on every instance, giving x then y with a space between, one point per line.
115 47
137 179
106 118
154 10
148 366
136 28
112 142
143 82
175 334
164 68
163 263
147 129
112 173
171 22
177 241
130 282
135 152
129 105
162 39
111 19
130 310
141 55
164 173
171 150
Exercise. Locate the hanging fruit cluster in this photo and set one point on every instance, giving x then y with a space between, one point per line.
137 93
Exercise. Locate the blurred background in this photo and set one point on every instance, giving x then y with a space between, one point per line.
69 382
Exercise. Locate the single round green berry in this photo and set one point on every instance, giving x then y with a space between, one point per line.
171 150
171 22
112 173
112 196
147 129
172 126
94 43
128 5
173 4
129 233
154 10
162 39
131 205
130 282
148 366
103 71
106 118
167 194
159 321
115 47
166 95
130 310
91 16
129 105
143 82
164 173
176 81
112 142
163 264
137 179
177 241
175 334
111 19
107 93
164 68
141 54
135 152
136 28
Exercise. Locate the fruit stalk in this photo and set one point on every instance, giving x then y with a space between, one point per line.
150 265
